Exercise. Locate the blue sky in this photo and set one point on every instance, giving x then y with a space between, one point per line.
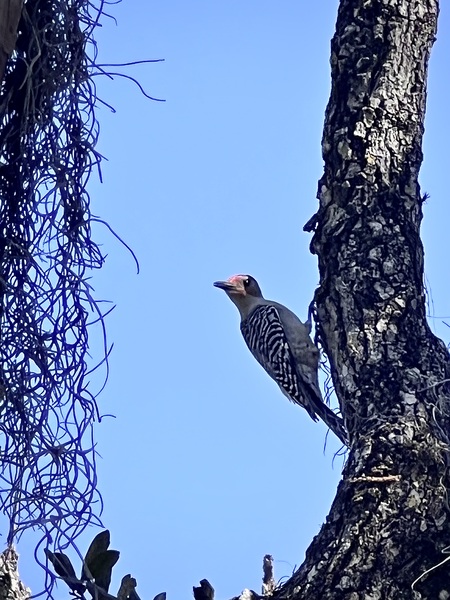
207 467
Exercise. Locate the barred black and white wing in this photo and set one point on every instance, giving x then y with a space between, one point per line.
265 335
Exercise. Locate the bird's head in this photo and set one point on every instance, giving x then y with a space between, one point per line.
243 290
240 285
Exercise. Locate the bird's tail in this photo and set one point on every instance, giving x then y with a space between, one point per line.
317 408
333 421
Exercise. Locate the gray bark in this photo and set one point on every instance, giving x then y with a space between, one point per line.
389 522
10 11
11 588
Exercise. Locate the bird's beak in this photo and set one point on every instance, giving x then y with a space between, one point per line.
224 285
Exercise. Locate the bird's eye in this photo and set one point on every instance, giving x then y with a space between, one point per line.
246 282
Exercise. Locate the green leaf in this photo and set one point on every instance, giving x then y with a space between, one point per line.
127 585
61 563
101 567
63 567
99 544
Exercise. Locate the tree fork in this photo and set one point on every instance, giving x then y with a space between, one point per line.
389 522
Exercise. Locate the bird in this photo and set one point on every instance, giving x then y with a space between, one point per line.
282 345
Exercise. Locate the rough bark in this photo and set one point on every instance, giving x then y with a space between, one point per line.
10 11
11 588
389 522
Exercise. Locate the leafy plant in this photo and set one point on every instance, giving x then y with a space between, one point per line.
96 572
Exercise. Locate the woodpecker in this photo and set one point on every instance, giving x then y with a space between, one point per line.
281 344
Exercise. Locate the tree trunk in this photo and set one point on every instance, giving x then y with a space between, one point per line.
389 522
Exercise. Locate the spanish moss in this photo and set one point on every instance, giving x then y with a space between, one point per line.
48 133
